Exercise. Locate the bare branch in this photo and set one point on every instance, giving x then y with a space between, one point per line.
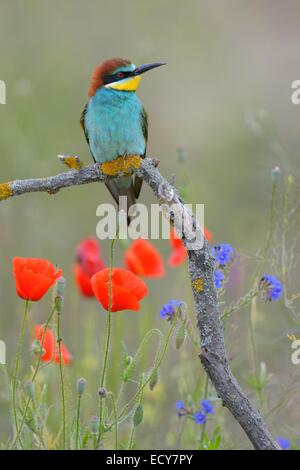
201 269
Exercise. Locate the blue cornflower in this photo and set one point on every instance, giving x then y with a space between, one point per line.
181 409
200 417
284 443
270 287
179 405
218 278
222 253
207 407
168 310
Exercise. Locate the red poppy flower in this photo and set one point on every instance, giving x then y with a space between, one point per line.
143 259
127 289
65 354
208 235
50 346
33 277
83 281
179 252
88 263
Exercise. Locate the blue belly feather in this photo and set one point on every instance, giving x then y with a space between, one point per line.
113 124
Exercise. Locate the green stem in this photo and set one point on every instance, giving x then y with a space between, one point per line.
205 395
61 382
141 348
139 401
158 360
107 342
131 440
113 401
33 378
15 376
255 288
77 421
254 350
271 218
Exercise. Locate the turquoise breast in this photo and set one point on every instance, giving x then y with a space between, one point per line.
113 124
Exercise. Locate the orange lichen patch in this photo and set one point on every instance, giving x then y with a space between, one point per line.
5 191
121 165
198 284
72 162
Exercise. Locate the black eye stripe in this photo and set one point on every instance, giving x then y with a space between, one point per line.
115 77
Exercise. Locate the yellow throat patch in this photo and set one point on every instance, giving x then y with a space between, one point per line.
130 84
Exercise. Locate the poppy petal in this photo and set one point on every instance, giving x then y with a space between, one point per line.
83 281
34 277
143 259
127 289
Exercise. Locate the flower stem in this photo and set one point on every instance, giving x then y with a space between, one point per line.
15 376
254 350
139 401
107 341
157 363
131 439
205 395
61 382
113 401
255 288
33 378
77 421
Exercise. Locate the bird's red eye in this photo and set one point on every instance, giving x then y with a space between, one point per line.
120 74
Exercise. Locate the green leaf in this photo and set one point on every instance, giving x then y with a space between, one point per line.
85 439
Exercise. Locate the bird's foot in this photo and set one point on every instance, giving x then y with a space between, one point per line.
121 165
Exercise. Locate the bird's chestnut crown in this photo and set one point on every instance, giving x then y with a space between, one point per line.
118 74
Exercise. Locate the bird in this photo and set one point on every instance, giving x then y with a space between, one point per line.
115 122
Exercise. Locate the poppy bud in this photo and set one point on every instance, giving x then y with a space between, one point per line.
138 415
102 392
128 360
153 378
81 383
59 293
275 175
60 287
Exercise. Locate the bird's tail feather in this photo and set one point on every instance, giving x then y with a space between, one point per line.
123 187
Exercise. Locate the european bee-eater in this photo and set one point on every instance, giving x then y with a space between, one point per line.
115 122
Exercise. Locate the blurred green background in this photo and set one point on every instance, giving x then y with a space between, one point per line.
224 98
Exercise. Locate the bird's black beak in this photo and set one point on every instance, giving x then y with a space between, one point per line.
144 68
